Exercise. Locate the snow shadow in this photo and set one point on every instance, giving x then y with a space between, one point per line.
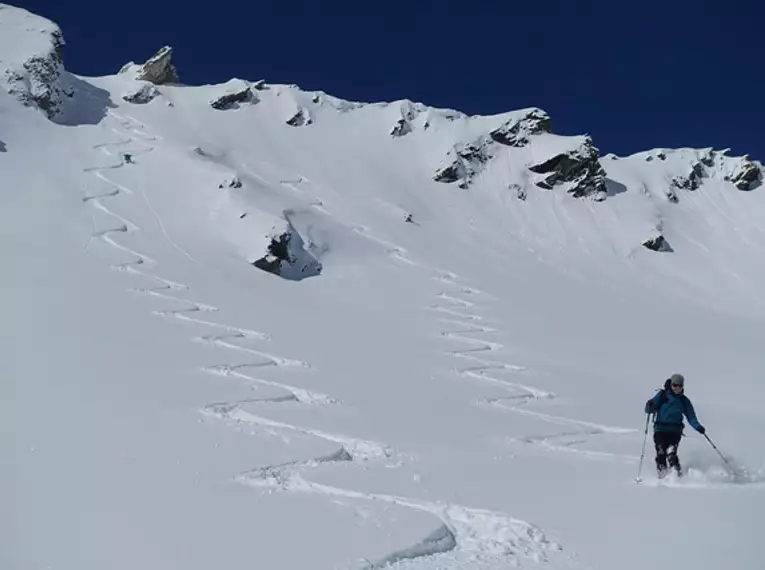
438 542
614 188
87 106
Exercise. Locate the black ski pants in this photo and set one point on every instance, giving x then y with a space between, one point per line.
666 443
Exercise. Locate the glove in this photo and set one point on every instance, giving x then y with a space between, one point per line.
701 430
648 407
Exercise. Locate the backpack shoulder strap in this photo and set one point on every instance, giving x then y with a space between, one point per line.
662 400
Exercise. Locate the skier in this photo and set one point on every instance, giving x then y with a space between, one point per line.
669 405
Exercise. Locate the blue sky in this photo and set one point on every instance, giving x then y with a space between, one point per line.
634 75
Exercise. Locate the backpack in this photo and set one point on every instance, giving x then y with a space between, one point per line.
663 399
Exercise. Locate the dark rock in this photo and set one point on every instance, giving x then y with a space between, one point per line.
3 147
278 251
671 195
159 69
232 100
260 85
516 132
475 153
708 159
579 166
649 158
233 183
692 181
662 156
269 264
408 111
401 128
316 98
654 243
288 259
40 80
520 191
682 183
299 119
748 176
449 174
144 94
657 243
547 183
466 161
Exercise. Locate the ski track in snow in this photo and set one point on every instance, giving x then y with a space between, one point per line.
465 535
463 313
165 286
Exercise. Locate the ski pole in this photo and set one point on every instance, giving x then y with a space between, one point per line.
720 454
642 454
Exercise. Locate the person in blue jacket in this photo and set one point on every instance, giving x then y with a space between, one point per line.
669 405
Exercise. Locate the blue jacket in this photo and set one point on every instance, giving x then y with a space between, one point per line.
669 415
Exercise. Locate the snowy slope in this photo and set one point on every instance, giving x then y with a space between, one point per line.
462 391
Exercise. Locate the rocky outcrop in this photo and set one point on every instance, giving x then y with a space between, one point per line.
463 162
287 258
671 195
409 112
747 176
301 118
401 128
516 132
3 147
708 159
37 78
692 180
144 93
231 100
657 242
159 69
579 168
518 190
278 252
233 182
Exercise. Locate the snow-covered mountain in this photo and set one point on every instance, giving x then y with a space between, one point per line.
248 324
